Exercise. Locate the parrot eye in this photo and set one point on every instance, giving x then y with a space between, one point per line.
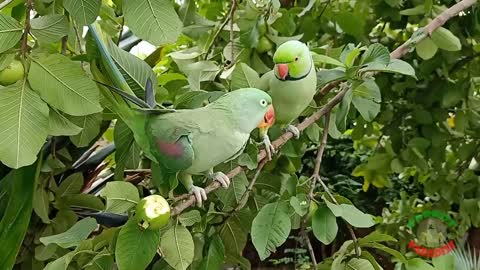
296 59
263 102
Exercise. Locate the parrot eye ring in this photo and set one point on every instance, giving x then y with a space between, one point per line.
263 102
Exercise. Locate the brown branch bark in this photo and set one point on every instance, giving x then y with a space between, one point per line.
397 53
436 23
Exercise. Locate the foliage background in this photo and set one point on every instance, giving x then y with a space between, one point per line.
398 145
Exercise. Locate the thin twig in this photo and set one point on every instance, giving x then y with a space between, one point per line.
225 21
246 194
79 39
232 14
65 38
5 3
29 6
121 30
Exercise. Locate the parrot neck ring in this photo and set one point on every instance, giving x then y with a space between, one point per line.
284 75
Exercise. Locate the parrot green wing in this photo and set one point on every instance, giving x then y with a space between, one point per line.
170 144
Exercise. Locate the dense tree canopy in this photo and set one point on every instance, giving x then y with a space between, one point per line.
392 134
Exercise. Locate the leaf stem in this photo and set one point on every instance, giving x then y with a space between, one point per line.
228 17
29 7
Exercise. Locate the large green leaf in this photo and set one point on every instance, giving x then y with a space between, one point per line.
50 28
84 12
23 124
352 215
270 228
231 196
18 210
121 196
135 247
10 32
444 262
366 99
73 236
59 125
177 247
134 70
244 76
90 125
63 84
234 232
359 264
446 40
394 66
71 185
189 218
418 264
215 256
376 53
153 20
426 48
324 225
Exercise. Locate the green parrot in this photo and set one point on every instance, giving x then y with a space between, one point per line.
292 84
191 141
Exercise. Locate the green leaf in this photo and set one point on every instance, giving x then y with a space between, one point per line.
6 59
446 40
63 84
244 77
234 233
10 32
231 196
388 250
84 12
59 125
215 256
135 247
71 185
90 125
319 58
134 70
121 196
72 237
376 236
366 99
359 264
23 124
376 53
270 228
326 76
351 23
324 225
102 261
16 211
177 247
41 204
445 262
352 215
299 203
395 66
164 25
368 256
189 218
418 264
426 48
417 10
50 28
89 201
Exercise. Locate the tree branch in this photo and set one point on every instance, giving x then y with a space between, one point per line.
397 53
228 18
5 3
24 48
436 23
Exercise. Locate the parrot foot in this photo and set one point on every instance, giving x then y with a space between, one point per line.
268 146
220 177
294 130
200 195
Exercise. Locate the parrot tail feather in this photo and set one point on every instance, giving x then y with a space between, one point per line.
128 97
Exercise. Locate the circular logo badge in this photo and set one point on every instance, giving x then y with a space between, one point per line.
430 229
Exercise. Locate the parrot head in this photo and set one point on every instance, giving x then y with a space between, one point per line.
251 108
293 61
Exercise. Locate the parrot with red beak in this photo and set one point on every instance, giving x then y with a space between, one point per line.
292 84
185 142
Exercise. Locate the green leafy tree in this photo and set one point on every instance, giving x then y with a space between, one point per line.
397 83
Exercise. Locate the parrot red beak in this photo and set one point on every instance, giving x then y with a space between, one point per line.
267 121
282 70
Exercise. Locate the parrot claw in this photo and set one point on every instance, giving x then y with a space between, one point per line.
200 195
268 147
294 130
220 177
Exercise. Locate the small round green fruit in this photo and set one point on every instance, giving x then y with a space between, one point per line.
12 73
264 45
153 212
262 27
